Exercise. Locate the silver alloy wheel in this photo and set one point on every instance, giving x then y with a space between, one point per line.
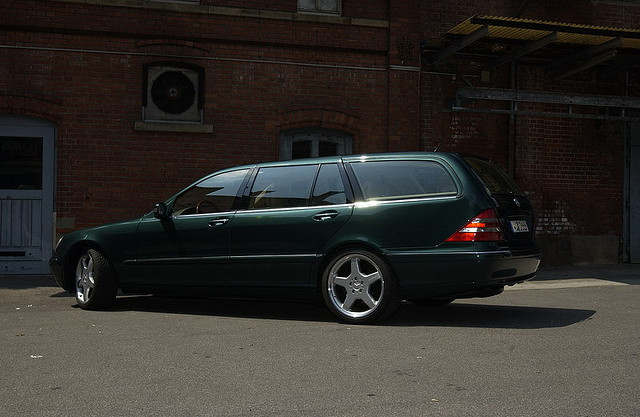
85 280
355 285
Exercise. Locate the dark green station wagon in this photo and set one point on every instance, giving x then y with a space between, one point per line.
358 233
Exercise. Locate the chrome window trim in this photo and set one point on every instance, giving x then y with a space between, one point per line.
214 214
373 202
323 207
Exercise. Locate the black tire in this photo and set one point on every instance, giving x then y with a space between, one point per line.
95 281
359 287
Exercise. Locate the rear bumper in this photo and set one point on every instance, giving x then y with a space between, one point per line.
461 274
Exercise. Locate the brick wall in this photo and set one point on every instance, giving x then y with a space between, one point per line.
87 60
267 68
572 169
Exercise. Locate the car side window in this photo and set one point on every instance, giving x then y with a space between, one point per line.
388 180
329 188
211 195
282 187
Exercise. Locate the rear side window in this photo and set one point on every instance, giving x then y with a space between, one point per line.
282 187
329 189
494 177
388 180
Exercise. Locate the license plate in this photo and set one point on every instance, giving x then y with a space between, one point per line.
519 226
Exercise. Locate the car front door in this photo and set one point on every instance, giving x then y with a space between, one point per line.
286 225
190 246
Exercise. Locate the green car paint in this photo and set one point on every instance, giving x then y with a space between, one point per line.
278 242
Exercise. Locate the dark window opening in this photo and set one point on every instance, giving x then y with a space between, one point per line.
20 163
301 149
327 148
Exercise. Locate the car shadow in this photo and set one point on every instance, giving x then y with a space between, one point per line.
252 309
457 314
460 314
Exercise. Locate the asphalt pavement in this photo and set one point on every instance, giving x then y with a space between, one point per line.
564 344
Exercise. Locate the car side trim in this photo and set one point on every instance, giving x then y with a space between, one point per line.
190 260
262 257
198 259
440 253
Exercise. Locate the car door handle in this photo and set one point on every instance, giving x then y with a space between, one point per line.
325 215
219 221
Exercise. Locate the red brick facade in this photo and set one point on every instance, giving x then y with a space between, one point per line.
268 68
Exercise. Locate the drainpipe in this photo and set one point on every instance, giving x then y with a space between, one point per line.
512 124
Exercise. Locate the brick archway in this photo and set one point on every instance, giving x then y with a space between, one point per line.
30 106
315 117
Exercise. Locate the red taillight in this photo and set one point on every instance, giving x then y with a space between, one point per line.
485 227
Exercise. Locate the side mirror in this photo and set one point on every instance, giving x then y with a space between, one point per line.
160 211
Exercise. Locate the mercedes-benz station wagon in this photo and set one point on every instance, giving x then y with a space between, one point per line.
359 234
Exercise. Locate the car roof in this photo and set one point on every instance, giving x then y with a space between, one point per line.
448 156
351 158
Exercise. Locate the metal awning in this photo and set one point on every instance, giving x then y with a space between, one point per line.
564 48
574 106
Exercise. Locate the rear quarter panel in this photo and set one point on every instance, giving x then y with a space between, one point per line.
410 233
417 223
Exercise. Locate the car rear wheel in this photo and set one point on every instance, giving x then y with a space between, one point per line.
95 281
359 287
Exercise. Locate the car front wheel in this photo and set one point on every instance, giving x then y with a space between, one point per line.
359 287
95 281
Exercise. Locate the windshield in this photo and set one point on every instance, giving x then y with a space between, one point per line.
494 177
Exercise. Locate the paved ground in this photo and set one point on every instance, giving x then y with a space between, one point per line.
565 344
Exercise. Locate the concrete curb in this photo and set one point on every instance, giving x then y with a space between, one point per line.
628 273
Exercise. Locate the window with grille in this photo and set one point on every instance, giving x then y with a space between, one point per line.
313 143
320 6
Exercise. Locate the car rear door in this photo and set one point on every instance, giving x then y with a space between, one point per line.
285 224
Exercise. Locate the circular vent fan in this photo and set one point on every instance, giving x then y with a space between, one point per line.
173 92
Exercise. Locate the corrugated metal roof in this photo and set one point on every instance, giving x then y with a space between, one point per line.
564 48
530 30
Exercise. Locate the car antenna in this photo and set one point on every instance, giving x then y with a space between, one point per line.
437 147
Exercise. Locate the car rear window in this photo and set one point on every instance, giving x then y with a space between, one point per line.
494 177
388 180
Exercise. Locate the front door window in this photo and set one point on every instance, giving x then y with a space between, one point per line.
212 195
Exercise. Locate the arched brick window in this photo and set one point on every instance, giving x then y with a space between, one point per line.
314 142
